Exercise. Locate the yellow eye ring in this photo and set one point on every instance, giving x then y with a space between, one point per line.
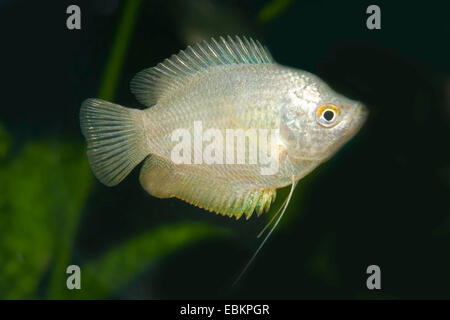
327 115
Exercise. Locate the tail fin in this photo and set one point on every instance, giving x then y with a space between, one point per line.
115 138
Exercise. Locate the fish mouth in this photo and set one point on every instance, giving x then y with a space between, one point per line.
358 116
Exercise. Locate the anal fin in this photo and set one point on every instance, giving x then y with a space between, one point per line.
163 179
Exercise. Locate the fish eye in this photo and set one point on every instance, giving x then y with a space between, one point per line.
326 115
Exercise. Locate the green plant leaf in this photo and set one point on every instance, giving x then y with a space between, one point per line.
119 49
107 91
105 275
40 190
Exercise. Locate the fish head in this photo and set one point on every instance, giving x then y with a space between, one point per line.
316 121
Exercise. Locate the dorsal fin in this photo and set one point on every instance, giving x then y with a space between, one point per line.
151 84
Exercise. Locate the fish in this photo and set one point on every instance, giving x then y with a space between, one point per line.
224 85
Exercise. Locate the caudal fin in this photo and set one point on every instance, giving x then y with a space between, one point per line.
115 139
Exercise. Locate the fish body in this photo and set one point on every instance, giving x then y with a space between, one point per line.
223 86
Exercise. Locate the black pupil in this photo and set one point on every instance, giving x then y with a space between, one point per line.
328 115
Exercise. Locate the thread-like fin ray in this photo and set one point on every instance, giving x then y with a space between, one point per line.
151 84
272 219
285 205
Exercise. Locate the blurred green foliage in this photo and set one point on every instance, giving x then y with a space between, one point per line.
272 9
119 48
42 193
43 190
124 262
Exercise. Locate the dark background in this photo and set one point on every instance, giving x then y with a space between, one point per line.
383 199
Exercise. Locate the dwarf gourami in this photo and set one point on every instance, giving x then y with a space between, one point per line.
224 85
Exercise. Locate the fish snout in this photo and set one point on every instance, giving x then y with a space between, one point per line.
358 117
